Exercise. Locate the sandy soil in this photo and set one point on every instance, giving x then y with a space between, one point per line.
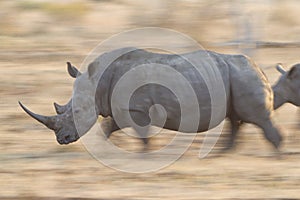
34 166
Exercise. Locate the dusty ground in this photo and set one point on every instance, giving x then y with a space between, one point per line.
34 166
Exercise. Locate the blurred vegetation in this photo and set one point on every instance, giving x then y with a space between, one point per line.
207 21
60 10
286 14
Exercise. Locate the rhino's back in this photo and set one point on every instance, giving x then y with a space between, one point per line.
200 69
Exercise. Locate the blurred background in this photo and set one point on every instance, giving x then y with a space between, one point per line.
38 37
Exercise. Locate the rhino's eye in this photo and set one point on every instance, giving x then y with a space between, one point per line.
77 111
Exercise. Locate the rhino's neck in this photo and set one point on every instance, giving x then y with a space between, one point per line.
102 102
279 99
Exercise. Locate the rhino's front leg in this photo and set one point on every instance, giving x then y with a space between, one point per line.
141 126
139 122
109 126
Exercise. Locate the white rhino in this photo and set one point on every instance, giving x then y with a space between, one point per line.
248 95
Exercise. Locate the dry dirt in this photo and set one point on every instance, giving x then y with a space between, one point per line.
34 166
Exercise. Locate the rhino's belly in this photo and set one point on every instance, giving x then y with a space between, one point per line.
187 116
189 123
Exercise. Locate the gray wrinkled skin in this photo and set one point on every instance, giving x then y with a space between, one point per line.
249 96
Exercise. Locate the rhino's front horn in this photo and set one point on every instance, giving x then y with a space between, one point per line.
280 68
50 122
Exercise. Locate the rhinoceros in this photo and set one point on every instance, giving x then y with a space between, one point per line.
109 126
248 94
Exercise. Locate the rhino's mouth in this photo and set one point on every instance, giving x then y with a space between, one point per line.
66 138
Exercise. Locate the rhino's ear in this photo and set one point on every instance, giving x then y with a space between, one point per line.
280 68
292 73
73 71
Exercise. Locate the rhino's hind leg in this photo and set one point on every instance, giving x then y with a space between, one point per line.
271 133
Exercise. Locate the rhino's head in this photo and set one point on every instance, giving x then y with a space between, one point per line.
287 89
75 118
62 124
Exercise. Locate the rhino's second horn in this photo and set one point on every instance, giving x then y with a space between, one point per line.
59 108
